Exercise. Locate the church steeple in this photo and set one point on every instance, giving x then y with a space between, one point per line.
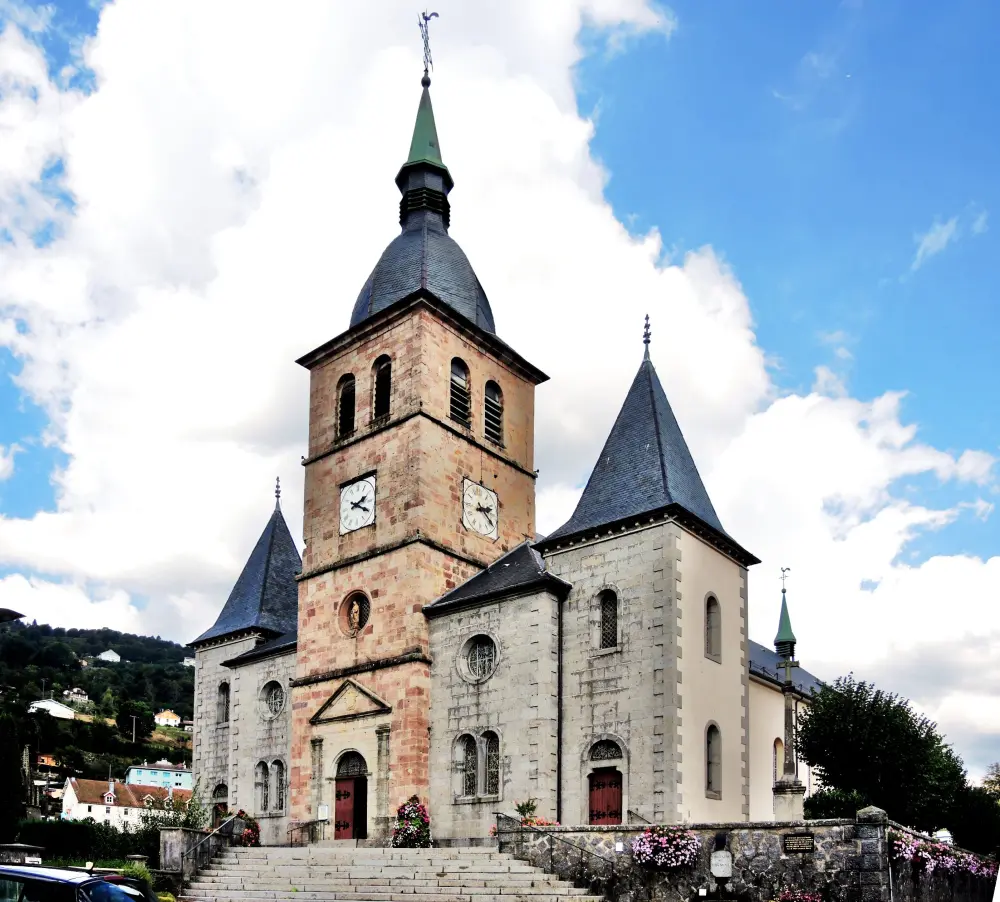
424 180
784 642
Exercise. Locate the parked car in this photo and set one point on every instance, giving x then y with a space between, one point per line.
37 883
131 883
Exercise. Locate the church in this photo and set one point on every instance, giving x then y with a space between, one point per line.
430 642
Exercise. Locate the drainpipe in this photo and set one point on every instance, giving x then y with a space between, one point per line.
559 706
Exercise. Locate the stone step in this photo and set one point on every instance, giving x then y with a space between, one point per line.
270 881
498 869
411 891
202 893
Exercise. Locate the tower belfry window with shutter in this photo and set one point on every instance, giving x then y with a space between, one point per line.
493 413
461 398
382 389
345 407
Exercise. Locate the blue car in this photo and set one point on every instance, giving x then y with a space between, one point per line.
27 883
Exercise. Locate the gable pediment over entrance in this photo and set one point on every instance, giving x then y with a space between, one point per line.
350 701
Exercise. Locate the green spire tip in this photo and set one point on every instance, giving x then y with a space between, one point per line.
785 633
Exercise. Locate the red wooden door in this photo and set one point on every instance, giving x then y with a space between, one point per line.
343 809
605 796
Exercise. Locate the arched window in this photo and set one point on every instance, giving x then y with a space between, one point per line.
779 759
470 764
278 773
713 629
609 619
272 698
481 657
493 413
605 750
491 748
461 399
713 762
262 786
345 406
382 387
222 705
352 765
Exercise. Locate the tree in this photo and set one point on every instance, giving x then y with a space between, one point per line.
144 721
12 798
863 740
991 782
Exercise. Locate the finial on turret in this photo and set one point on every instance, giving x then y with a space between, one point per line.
646 334
423 21
277 492
784 571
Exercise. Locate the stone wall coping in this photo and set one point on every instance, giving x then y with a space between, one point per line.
728 826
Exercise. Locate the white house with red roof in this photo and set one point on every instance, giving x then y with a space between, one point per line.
117 803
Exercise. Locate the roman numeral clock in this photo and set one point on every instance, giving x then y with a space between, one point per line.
357 504
480 509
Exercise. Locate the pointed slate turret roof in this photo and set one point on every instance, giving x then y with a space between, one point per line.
424 257
645 465
265 596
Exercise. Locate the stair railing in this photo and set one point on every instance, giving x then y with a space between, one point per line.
634 818
191 860
307 832
555 854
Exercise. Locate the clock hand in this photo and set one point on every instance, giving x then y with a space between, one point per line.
486 511
357 505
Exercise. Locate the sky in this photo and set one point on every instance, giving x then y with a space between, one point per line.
801 197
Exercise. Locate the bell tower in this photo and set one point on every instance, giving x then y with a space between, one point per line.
419 474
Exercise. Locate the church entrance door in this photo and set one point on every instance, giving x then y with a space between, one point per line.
606 796
350 810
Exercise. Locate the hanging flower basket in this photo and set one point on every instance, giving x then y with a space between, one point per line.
666 848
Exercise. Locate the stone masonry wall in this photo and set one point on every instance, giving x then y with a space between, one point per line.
256 736
517 702
628 693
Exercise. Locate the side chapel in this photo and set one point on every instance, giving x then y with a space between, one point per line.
430 642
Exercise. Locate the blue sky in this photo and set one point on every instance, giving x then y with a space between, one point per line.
811 143
839 157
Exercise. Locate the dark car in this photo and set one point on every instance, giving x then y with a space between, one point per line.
27 883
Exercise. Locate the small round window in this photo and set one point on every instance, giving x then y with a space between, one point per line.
273 699
481 657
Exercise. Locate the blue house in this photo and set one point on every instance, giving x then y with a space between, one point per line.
161 773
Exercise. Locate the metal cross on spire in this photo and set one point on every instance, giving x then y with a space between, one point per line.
784 570
646 334
424 21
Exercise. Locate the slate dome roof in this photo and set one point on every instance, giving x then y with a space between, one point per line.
424 256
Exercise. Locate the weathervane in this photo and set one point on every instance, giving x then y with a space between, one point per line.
784 570
423 21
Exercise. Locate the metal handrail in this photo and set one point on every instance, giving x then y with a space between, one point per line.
587 878
635 814
228 822
310 826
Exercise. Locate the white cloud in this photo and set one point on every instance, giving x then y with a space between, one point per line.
934 240
34 18
981 223
7 461
230 204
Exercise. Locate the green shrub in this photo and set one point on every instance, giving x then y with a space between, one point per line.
138 871
89 840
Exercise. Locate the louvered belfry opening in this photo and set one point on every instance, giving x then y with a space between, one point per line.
345 407
383 388
461 397
493 413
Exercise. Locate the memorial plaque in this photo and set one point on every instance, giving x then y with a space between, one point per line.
799 842
722 865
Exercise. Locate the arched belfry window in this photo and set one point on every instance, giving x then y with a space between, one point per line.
222 704
713 762
461 397
609 619
345 406
493 413
713 629
381 387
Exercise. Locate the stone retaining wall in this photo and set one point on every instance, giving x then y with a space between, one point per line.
849 863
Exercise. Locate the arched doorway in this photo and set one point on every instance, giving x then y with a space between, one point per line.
605 795
351 798
220 804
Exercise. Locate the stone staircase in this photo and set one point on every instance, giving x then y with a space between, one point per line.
372 874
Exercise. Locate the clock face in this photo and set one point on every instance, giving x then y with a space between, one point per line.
480 510
357 505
